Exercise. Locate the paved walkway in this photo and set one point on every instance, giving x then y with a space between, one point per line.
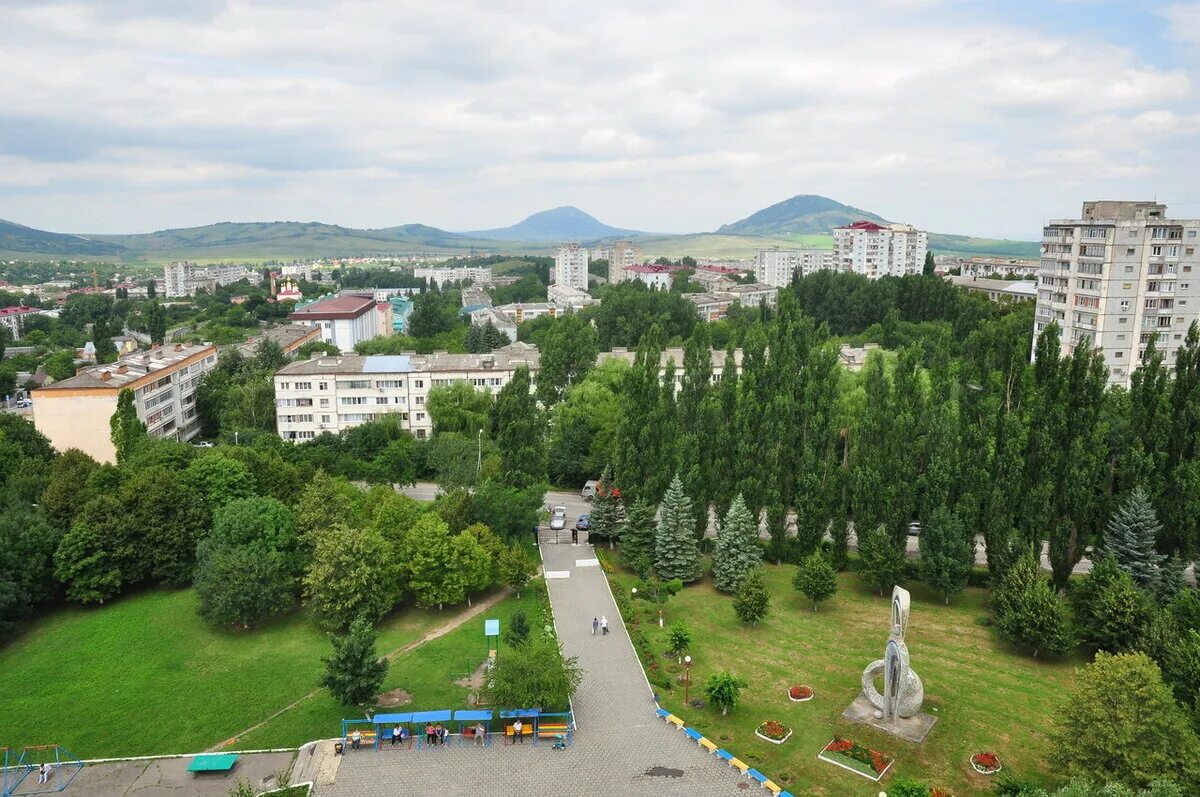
620 747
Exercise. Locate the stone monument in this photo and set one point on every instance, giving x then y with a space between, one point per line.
897 709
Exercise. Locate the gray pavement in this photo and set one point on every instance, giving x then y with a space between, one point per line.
167 777
620 747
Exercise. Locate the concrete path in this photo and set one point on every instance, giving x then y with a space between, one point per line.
168 777
620 747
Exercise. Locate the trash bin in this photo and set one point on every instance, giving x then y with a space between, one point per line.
338 747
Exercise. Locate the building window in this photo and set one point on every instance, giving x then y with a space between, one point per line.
381 400
1130 251
324 419
1119 354
322 385
304 385
419 383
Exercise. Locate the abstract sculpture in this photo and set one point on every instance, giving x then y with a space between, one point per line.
902 688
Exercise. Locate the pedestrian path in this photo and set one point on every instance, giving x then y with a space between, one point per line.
620 747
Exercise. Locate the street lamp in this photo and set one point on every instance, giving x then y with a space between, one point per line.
479 455
687 677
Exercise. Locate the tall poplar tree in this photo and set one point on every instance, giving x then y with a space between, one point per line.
737 550
520 432
947 553
126 430
638 445
676 554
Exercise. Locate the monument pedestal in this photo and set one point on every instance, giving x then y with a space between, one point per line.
912 729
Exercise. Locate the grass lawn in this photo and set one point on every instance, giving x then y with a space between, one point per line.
988 697
144 675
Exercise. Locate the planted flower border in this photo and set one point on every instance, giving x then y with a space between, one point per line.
840 759
989 763
758 732
806 694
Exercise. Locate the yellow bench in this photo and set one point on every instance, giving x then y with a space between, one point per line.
707 745
739 765
671 718
526 730
771 786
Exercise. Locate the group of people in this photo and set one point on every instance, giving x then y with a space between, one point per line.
436 734
600 624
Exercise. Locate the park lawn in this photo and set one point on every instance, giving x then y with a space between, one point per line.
428 673
144 675
988 697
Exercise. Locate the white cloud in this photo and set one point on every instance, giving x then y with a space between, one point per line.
656 115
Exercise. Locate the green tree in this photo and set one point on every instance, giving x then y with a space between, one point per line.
106 350
354 673
675 552
240 586
1029 612
752 600
265 524
472 566
638 538
60 365
461 409
724 690
517 633
534 674
324 503
219 479
947 553
816 578
737 551
929 266
1110 611
516 567
881 559
66 489
606 510
907 787
352 575
679 639
127 431
1131 536
83 563
427 562
1120 722
164 518
156 322
519 431
568 351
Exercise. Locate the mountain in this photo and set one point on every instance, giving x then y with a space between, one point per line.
802 214
559 224
19 238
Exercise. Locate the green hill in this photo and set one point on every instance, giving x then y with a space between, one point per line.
802 214
18 238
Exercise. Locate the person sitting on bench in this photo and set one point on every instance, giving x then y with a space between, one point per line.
355 740
517 729
403 734
395 735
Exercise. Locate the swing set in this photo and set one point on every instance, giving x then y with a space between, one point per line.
63 767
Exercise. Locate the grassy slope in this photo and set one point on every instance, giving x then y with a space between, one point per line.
988 697
144 675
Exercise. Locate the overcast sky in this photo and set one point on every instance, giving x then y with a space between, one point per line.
974 117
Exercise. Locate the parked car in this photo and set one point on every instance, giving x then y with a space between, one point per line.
584 522
22 403
589 489
914 529
205 444
558 518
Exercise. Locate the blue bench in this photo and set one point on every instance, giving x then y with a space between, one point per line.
692 734
754 773
661 713
723 754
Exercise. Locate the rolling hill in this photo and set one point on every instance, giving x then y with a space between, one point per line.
557 224
19 238
801 215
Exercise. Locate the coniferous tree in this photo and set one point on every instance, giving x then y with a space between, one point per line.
736 551
816 578
1131 536
752 600
947 553
881 558
606 510
676 554
638 538
354 673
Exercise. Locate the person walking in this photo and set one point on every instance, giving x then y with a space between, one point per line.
480 735
604 625
595 625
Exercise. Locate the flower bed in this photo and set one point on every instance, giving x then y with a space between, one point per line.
851 755
773 732
940 793
800 694
986 763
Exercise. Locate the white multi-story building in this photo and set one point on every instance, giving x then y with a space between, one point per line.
1118 276
623 255
879 250
302 271
329 394
75 412
440 275
184 279
571 266
777 266
14 318
999 290
345 320
985 266
566 298
654 277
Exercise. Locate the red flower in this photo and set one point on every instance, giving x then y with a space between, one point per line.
774 730
800 692
986 761
839 745
879 761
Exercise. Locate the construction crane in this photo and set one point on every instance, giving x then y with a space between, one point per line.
95 278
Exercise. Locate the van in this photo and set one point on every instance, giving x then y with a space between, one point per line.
589 489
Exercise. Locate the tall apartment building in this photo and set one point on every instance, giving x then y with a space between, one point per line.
75 412
329 394
184 279
624 255
1117 276
571 266
479 275
777 266
879 250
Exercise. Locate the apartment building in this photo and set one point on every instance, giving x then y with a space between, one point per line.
985 266
716 278
483 316
999 290
620 256
184 279
441 275
330 394
345 319
778 267
654 277
1119 275
879 250
289 338
566 298
14 318
714 306
75 412
571 266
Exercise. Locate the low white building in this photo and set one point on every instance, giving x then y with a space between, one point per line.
490 315
985 266
521 312
344 320
653 276
999 290
566 298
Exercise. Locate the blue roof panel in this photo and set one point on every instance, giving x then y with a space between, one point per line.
387 364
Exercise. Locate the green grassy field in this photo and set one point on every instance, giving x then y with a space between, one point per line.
144 675
987 697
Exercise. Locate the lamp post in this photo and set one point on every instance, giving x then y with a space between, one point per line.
687 677
479 453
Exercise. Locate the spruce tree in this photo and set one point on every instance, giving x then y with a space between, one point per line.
947 553
676 554
606 510
752 600
882 560
1131 535
637 538
816 578
737 551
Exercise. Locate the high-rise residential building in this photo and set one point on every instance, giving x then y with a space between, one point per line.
479 275
879 250
1117 277
624 255
75 412
184 279
571 266
777 266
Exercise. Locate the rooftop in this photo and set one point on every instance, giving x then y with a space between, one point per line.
341 306
129 369
18 310
1021 287
288 335
507 357
675 354
870 226
653 268
753 287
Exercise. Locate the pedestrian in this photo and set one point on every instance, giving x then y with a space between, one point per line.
43 773
429 733
517 728
574 536
396 735
480 735
604 625
355 739
595 625
445 735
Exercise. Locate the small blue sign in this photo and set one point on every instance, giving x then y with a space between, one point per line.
491 628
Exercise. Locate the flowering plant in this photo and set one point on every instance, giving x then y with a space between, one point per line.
986 763
879 762
939 792
839 745
774 730
800 692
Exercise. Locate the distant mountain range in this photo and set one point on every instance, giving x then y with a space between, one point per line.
803 219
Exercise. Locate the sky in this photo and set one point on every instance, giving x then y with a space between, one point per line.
973 117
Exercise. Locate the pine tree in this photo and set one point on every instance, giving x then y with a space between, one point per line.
816 578
882 560
1131 536
638 538
675 552
606 510
737 551
752 600
354 673
947 553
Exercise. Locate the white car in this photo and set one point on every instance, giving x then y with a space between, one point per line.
22 403
205 444
558 518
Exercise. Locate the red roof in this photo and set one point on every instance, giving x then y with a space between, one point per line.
18 310
869 226
348 306
654 268
720 269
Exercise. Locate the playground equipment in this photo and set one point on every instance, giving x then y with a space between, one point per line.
385 728
422 718
467 719
63 767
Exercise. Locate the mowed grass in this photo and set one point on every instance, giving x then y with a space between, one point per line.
427 673
145 675
988 697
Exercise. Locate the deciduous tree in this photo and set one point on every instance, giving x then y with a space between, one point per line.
354 673
816 578
752 600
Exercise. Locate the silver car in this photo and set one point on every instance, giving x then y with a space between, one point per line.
558 518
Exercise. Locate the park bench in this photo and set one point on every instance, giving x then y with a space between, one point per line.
662 713
739 765
707 745
213 762
692 734
526 730
723 754
671 718
549 730
772 787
